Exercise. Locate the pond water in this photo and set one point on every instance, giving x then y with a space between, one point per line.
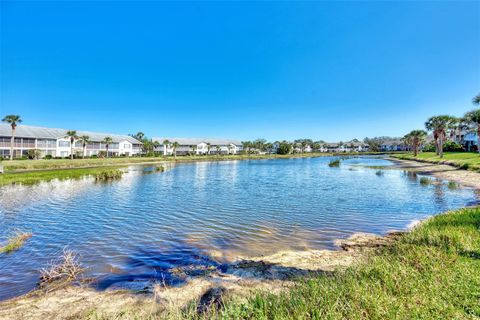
137 229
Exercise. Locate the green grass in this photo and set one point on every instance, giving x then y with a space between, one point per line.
34 177
462 160
424 181
15 242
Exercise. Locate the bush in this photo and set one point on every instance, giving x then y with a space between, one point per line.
48 157
284 148
451 146
108 175
430 147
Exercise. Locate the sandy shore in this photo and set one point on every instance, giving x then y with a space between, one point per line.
441 171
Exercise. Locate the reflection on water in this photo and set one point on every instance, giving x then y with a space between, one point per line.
199 215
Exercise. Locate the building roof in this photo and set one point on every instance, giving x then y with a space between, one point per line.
23 131
196 141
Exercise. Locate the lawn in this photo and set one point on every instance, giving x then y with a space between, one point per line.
463 160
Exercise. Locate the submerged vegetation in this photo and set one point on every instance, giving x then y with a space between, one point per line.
110 174
424 181
334 163
15 242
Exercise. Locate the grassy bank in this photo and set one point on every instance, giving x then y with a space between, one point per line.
430 273
33 177
462 160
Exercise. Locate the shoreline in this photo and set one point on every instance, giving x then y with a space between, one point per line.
463 177
245 277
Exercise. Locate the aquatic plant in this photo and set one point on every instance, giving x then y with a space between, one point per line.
452 185
108 175
15 242
424 181
334 163
379 173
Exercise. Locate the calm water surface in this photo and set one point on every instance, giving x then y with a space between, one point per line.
132 231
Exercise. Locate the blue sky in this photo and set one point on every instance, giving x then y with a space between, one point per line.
277 70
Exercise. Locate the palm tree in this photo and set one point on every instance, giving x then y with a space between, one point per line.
473 117
85 140
166 144
194 149
209 146
13 120
72 135
218 148
175 145
476 99
439 125
107 142
415 138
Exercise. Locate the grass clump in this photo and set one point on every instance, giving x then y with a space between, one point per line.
424 181
334 163
106 175
15 242
452 185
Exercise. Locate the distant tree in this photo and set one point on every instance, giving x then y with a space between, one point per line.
473 117
85 140
34 153
415 138
246 146
374 144
107 141
139 136
284 147
175 145
166 143
440 125
219 149
13 120
194 149
72 136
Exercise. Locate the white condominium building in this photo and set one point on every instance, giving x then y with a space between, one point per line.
54 142
197 146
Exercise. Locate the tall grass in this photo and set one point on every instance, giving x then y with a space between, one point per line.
334 163
110 174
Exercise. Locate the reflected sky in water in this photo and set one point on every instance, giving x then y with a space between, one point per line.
140 227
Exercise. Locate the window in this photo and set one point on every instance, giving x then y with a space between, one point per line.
64 144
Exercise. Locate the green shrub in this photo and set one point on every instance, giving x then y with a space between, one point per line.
110 174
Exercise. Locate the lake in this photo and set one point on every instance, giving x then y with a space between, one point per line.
135 230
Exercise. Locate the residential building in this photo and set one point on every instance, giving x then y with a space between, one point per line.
53 142
197 146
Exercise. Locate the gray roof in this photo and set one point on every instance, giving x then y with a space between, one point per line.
196 141
54 133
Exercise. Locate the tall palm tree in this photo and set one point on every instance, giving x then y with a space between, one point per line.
175 145
107 141
439 125
473 117
13 120
166 143
415 138
72 135
85 140
209 146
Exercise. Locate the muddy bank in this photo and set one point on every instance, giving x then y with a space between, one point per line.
273 273
441 171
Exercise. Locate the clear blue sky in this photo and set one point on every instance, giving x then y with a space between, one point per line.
277 70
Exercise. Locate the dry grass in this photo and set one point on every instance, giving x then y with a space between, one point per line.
15 242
